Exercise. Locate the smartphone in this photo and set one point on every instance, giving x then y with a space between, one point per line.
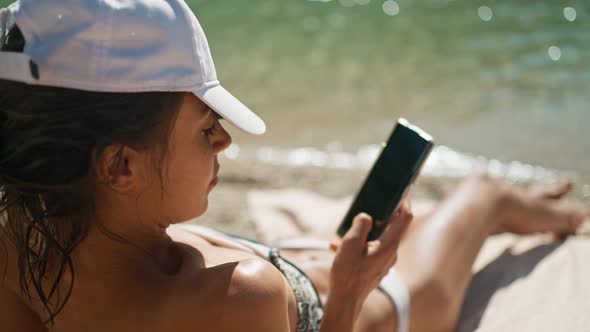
392 174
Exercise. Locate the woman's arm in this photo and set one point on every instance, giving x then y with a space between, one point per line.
340 313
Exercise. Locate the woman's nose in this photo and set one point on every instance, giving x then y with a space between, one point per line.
222 140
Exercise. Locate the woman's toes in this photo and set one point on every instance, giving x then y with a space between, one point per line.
555 190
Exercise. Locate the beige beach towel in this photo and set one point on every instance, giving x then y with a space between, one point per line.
520 284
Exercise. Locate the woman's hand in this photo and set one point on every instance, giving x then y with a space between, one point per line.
359 265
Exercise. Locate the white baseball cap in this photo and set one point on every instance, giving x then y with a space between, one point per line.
118 46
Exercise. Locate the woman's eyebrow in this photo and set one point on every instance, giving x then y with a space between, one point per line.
211 112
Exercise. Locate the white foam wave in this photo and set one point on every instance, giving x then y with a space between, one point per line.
443 161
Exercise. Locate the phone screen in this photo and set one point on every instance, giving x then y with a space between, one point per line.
396 167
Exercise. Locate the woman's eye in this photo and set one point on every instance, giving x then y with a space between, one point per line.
210 130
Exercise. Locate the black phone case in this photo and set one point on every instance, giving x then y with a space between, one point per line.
398 164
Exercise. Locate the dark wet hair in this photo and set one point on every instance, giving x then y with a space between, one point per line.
48 137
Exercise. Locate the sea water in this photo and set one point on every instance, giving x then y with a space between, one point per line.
506 82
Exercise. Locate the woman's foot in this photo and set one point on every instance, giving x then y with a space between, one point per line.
555 190
541 208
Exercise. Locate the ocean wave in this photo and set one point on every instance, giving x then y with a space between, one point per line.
443 161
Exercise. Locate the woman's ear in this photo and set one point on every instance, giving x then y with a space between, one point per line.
119 167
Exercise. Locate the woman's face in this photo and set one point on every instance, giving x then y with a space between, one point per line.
190 166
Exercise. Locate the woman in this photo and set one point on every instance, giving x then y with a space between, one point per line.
110 135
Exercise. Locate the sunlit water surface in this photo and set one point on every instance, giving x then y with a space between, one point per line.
497 83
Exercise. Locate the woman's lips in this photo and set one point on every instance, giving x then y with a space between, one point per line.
214 182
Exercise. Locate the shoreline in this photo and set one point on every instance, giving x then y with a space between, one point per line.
228 206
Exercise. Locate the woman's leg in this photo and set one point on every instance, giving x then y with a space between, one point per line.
437 253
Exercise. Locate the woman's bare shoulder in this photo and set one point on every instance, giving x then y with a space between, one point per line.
237 293
235 296
258 298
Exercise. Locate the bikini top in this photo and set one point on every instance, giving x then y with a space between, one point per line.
309 306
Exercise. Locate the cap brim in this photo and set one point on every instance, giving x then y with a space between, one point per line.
231 109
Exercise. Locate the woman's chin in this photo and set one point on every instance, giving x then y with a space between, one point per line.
203 209
190 216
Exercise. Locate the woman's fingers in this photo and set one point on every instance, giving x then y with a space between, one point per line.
392 234
355 239
334 246
356 236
